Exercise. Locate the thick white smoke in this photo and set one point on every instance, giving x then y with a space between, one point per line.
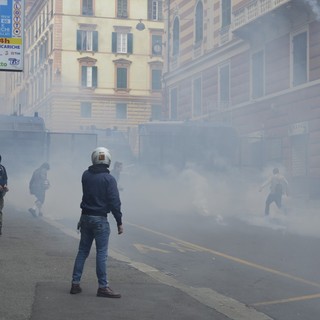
314 5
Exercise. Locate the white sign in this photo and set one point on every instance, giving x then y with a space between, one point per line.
11 35
298 128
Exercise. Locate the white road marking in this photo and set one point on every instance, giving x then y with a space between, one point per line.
145 249
232 308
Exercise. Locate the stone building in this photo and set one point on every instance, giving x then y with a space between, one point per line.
254 65
88 66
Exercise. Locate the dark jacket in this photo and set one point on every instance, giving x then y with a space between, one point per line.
3 176
38 182
100 193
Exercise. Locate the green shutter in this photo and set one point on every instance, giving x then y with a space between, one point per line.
150 9
79 40
122 78
95 41
130 42
160 10
156 79
84 76
114 42
94 77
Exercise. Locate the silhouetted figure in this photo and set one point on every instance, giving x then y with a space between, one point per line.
3 190
278 186
115 172
38 186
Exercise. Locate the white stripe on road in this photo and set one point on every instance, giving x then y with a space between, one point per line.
231 308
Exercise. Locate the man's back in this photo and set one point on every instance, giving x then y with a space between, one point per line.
278 184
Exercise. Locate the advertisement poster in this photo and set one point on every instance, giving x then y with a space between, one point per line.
11 35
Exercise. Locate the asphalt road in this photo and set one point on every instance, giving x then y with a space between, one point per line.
265 267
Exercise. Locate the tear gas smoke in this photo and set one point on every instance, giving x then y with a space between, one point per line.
314 5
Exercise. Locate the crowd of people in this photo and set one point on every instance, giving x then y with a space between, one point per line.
100 196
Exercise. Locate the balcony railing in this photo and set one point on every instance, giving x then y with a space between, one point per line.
253 10
225 35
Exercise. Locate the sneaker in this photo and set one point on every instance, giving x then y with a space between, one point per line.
33 212
75 288
107 293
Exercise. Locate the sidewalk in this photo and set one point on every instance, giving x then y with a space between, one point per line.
36 261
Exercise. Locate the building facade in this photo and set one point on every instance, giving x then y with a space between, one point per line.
254 65
88 67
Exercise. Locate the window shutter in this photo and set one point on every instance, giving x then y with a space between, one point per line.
122 78
90 7
84 76
79 40
94 77
125 9
160 10
150 9
156 79
95 41
130 42
114 42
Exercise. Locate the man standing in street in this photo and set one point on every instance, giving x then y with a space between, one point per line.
100 197
38 186
3 190
278 185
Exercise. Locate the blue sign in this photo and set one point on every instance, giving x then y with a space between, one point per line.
11 35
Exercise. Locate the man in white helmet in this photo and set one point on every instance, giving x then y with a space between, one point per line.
100 197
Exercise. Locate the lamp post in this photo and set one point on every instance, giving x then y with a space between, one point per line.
141 26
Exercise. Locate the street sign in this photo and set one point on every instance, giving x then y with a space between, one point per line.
11 35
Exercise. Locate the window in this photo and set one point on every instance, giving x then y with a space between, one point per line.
257 74
299 58
122 9
155 10
89 76
224 85
156 112
225 13
87 40
121 111
197 97
174 104
85 109
156 79
122 78
87 7
156 45
176 37
122 68
122 42
199 23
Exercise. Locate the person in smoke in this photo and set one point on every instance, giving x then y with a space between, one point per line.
278 186
115 172
3 190
100 197
38 186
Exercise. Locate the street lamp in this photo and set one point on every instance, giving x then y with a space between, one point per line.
140 26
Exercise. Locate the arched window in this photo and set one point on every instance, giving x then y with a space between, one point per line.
176 37
199 22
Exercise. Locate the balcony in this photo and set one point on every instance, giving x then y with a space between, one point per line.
254 10
263 17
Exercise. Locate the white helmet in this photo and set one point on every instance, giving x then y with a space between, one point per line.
101 155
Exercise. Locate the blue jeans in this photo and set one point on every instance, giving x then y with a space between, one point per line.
98 229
